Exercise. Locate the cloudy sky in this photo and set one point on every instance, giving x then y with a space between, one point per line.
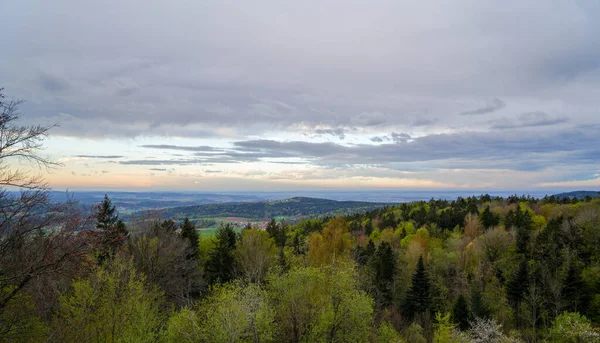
340 94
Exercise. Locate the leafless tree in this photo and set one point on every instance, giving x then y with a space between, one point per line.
40 241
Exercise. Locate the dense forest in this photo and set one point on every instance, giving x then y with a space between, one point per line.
477 269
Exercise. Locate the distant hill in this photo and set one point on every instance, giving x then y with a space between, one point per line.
293 208
578 194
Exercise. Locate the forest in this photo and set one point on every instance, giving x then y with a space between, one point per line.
476 269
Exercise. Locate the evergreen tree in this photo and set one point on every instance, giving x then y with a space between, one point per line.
573 289
277 231
169 225
478 308
460 313
488 218
518 285
112 230
220 265
384 270
418 298
189 232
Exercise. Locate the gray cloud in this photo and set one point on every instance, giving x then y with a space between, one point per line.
529 119
100 156
400 137
179 147
53 83
340 133
492 106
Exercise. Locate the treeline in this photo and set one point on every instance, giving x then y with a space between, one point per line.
479 269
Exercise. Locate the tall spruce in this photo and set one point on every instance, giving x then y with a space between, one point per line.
460 313
189 232
518 285
488 218
573 289
220 265
112 230
384 268
418 298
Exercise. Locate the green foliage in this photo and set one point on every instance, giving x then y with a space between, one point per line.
236 312
573 328
19 321
418 298
460 313
255 254
189 233
384 267
221 263
387 334
518 285
113 305
112 230
414 334
321 305
443 329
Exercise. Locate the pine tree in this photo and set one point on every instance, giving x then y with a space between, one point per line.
460 313
488 218
188 231
112 230
277 231
518 285
573 289
383 263
418 298
478 308
220 265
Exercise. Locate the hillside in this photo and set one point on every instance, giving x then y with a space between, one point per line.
578 194
293 208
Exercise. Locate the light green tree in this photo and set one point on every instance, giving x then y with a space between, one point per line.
254 254
322 305
236 313
113 305
573 328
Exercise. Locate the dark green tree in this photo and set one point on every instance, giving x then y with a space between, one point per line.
168 225
220 265
518 285
460 313
112 230
418 297
488 218
478 308
277 231
189 232
384 264
573 289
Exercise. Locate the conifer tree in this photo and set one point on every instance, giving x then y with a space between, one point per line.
478 308
188 231
112 230
384 268
460 313
488 218
518 285
418 298
220 265
573 288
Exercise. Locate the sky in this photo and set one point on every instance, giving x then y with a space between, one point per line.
335 94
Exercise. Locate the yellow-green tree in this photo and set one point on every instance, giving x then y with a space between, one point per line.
332 244
321 305
254 254
113 305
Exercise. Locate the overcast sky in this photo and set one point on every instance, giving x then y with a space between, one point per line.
273 95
